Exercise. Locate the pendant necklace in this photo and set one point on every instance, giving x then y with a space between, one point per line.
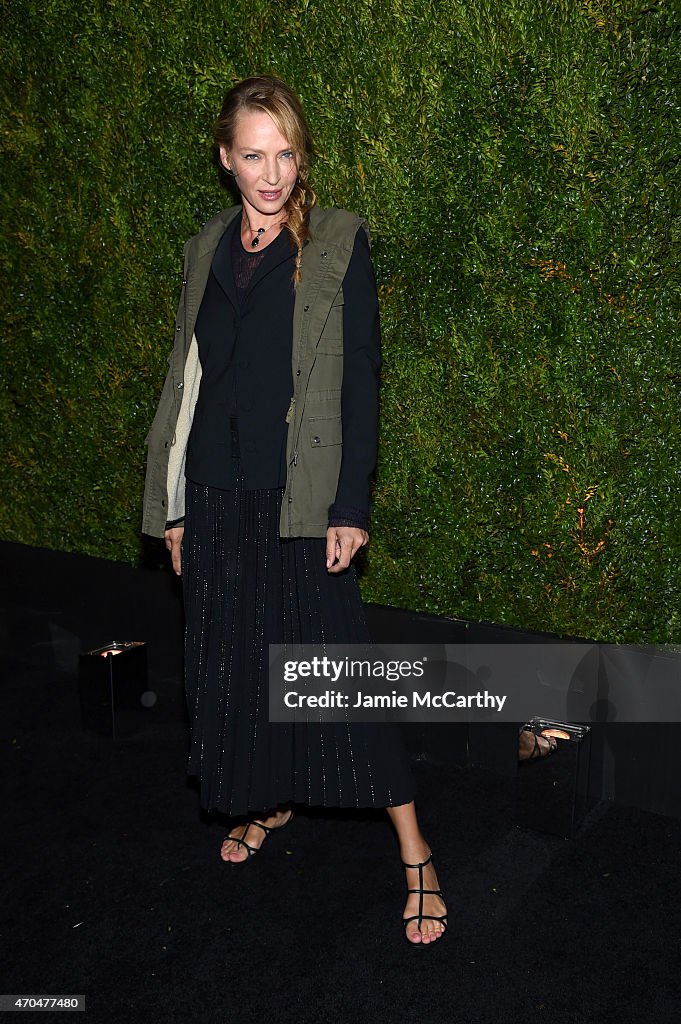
259 232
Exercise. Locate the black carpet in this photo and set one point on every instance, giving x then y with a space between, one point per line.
114 889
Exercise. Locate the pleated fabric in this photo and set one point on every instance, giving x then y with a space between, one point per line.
245 588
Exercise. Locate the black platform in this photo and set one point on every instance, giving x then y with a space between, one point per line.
56 605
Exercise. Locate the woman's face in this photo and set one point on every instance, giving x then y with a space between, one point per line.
263 163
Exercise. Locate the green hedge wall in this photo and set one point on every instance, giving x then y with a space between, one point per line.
519 165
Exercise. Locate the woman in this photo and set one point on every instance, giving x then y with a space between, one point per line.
260 456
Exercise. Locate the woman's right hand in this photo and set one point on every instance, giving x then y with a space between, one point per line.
174 544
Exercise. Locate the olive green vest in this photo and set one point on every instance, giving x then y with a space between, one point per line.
315 431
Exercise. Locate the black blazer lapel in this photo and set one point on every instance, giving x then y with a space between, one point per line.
281 249
222 263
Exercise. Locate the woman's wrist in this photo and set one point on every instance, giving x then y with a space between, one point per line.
343 515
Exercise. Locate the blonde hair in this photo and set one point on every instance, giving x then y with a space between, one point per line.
273 96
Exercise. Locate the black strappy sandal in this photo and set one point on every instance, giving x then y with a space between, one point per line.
421 893
254 849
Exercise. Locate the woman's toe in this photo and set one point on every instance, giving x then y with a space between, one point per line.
230 850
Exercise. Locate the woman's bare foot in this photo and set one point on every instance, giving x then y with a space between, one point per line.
236 847
429 930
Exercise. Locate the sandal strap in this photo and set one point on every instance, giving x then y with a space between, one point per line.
269 828
426 917
245 827
421 864
429 917
241 842
266 828
421 892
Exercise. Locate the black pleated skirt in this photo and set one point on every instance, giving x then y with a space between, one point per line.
245 588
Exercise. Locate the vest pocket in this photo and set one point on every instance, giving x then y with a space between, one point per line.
331 339
324 432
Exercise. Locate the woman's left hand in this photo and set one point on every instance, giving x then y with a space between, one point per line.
342 544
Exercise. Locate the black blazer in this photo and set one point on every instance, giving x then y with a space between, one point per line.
245 354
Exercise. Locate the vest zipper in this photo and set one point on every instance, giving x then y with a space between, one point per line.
184 313
184 350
